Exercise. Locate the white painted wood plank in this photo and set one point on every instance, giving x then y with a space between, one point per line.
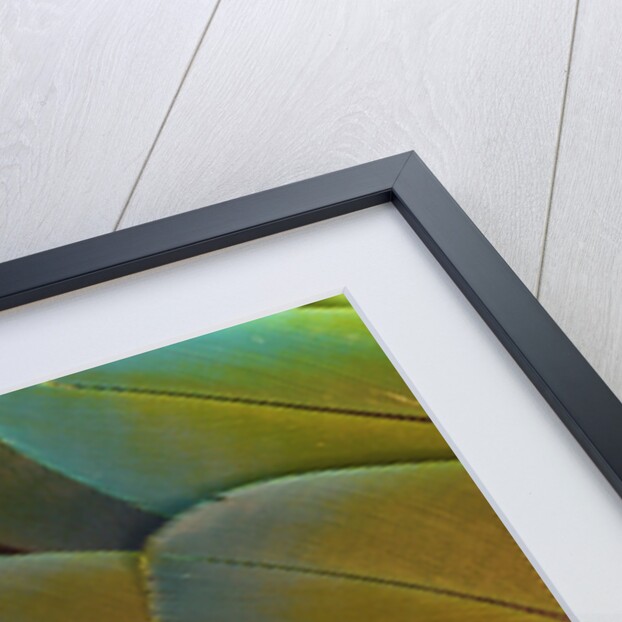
282 91
582 272
84 87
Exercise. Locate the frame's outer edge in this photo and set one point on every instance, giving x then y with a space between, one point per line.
578 395
156 243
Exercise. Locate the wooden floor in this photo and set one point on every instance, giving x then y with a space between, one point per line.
113 114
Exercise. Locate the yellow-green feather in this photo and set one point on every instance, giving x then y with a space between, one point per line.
166 453
72 587
399 538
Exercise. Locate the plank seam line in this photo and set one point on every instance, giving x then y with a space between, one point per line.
547 218
166 115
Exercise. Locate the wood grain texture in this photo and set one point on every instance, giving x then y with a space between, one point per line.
84 87
279 92
582 272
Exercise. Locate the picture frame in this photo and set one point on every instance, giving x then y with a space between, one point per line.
503 385
575 392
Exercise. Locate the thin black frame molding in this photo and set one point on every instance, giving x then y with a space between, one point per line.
572 388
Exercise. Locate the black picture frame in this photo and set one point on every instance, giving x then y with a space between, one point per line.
572 388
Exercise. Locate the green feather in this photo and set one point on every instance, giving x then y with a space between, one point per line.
166 453
43 510
316 357
300 391
334 301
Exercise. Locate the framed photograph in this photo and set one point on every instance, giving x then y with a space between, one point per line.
332 400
